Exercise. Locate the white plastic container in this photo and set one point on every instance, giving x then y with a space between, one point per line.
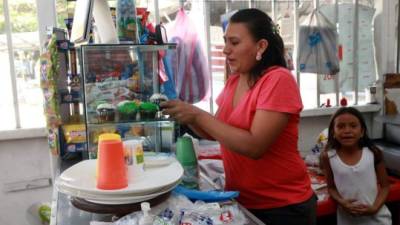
134 158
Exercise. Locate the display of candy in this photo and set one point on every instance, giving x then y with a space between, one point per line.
49 69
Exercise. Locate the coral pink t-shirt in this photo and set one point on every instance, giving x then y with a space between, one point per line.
279 177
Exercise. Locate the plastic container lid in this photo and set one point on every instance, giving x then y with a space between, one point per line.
109 137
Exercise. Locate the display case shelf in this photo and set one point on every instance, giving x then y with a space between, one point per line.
118 83
155 122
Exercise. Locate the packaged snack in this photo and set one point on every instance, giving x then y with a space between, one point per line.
74 133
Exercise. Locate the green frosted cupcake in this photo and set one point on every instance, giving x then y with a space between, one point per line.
127 110
148 110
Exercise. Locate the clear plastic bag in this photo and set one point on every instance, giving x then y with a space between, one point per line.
212 214
179 210
317 45
192 80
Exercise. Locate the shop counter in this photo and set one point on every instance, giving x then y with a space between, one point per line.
63 211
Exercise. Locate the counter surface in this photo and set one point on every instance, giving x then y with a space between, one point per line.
64 213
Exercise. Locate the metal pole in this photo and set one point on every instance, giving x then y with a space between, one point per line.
228 6
316 7
398 38
206 9
336 20
316 4
355 51
273 6
156 12
12 66
251 3
296 39
156 81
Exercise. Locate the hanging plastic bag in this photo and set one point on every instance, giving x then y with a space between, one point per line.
317 46
192 78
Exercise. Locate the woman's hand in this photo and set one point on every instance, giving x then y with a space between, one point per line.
182 112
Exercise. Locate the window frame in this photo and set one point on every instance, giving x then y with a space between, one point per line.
46 17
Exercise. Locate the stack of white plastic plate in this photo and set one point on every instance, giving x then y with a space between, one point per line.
80 181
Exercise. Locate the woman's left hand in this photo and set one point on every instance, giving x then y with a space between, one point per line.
182 112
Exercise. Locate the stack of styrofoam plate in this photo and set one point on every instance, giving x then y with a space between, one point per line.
80 181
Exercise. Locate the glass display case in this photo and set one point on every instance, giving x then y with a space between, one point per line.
122 94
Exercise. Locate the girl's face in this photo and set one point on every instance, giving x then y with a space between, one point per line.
347 130
240 48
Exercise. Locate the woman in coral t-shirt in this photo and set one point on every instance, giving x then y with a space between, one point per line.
257 124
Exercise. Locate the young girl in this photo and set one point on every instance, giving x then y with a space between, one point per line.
355 172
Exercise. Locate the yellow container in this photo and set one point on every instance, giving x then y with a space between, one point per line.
109 137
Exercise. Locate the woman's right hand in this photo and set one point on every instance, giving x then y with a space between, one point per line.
182 112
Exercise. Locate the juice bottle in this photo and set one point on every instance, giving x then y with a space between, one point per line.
126 21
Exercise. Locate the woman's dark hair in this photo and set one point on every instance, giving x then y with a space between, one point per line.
364 141
260 26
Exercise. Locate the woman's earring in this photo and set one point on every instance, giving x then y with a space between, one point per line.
258 56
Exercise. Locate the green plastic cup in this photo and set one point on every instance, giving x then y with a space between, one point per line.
187 157
184 151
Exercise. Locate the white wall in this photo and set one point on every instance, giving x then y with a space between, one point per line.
22 160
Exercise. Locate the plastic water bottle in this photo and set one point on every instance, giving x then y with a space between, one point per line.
147 218
187 157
